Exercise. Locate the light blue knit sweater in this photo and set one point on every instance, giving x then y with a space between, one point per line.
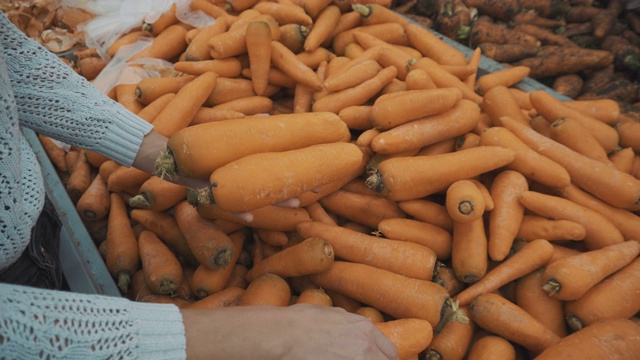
38 91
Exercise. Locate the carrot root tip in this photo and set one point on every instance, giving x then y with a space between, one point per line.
466 207
574 322
167 286
450 312
375 182
124 279
165 165
552 286
223 258
139 202
202 196
433 355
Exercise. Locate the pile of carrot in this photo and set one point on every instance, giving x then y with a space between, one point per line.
581 49
355 159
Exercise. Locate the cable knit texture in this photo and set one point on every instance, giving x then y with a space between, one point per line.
38 91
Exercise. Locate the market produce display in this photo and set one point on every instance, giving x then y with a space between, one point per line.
356 159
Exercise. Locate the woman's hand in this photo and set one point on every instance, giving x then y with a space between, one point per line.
300 331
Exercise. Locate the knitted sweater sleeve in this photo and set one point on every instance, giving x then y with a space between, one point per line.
53 100
47 324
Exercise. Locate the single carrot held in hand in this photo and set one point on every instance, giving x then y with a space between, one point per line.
570 278
162 270
313 255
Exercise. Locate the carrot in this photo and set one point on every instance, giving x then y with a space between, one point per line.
363 209
603 181
180 111
138 288
431 174
431 46
554 60
392 33
222 298
165 20
538 227
605 110
452 341
393 294
569 85
233 41
348 20
293 36
266 289
371 313
600 231
318 213
122 258
474 63
94 202
228 67
484 30
570 278
150 111
377 14
125 93
492 347
443 78
207 114
314 296
150 89
428 211
502 10
250 105
623 159
273 237
322 27
54 152
79 178
234 88
284 13
208 8
466 141
530 257
507 53
271 217
167 45
286 60
198 48
628 133
529 295
356 75
394 55
258 38
607 299
162 271
164 225
432 236
357 95
127 179
613 338
574 135
500 101
506 217
546 36
432 102
427 130
126 39
464 201
205 281
411 336
237 6
357 117
469 258
107 168
506 77
311 256
236 278
418 79
517 325
317 57
158 194
400 257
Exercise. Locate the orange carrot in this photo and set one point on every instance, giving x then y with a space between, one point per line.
443 78
432 236
122 258
357 117
167 45
258 40
198 48
432 46
164 225
452 342
212 247
469 258
464 201
286 60
377 14
250 105
271 217
180 111
150 89
603 181
393 294
158 194
55 153
427 130
392 33
165 20
529 295
605 110
363 209
162 271
149 112
311 256
505 77
266 289
492 347
431 174
570 278
571 133
207 114
517 325
125 93
314 296
500 101
233 41
79 178
600 231
404 258
393 54
357 74
616 337
284 13
623 159
222 298
428 212
607 299
537 227
126 39
229 67
94 202
411 336
507 214
127 179
322 27
293 36
273 237
532 256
